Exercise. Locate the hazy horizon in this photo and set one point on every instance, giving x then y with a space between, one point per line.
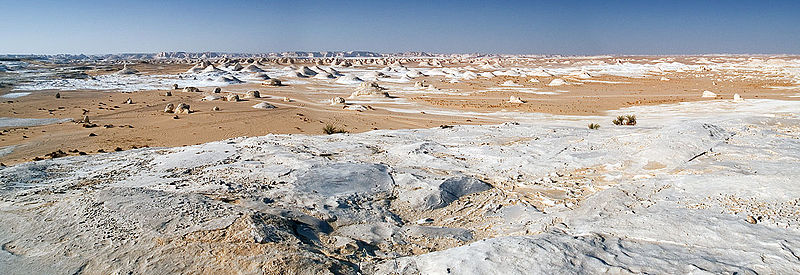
511 27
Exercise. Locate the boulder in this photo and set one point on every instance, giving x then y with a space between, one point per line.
182 108
191 89
337 100
369 89
253 94
514 99
232 98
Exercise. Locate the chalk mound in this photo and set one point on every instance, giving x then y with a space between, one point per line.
324 76
126 71
514 99
337 100
414 74
356 107
737 98
195 69
191 89
557 82
584 75
253 94
211 97
272 82
182 108
369 89
709 94
232 98
487 74
259 76
264 105
228 80
211 69
306 71
349 79
510 83
235 67
252 68
375 75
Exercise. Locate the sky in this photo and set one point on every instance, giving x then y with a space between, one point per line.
509 27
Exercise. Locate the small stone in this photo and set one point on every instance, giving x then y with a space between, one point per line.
58 95
215 108
751 220
217 90
168 93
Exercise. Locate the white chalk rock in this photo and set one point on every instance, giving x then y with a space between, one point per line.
709 94
557 82
737 98
182 108
264 105
337 100
253 94
515 99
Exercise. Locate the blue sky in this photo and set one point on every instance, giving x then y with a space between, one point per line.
526 27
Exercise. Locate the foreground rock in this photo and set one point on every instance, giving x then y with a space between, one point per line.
678 196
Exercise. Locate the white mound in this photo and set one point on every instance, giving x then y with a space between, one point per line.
306 71
487 74
709 94
264 105
737 98
509 83
515 99
349 79
369 89
324 75
229 79
235 67
252 68
211 69
557 82
211 97
125 70
414 74
337 100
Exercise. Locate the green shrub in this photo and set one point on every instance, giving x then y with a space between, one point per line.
594 126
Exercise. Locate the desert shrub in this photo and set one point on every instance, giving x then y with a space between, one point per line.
332 129
594 126
619 121
630 120
625 120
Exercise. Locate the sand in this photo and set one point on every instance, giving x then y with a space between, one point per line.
450 98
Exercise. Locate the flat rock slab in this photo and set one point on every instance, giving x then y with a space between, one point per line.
342 179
